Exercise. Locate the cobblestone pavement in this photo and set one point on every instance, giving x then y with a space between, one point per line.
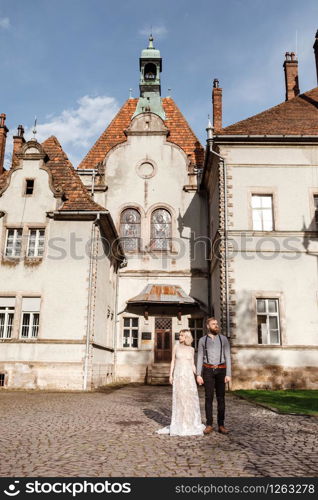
113 434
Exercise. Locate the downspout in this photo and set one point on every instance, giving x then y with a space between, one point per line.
115 325
222 159
89 302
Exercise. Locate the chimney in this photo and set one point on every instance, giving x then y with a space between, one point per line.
291 75
3 137
18 141
217 106
316 53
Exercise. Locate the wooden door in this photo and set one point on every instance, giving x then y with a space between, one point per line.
163 335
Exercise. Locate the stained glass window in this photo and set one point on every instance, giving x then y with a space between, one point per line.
130 229
160 230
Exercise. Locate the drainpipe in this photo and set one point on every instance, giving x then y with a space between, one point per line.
222 159
115 325
89 303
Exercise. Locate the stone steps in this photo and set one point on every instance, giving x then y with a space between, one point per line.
158 374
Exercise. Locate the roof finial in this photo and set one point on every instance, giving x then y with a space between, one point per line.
34 129
130 93
150 45
209 129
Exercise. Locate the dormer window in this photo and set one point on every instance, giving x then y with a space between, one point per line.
29 187
150 71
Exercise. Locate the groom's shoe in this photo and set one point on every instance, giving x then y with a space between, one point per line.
208 429
223 429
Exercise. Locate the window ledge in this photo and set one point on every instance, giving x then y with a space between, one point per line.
32 261
13 340
10 261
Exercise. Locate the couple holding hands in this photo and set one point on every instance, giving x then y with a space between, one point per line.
213 370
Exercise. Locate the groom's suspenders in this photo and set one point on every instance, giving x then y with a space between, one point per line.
206 351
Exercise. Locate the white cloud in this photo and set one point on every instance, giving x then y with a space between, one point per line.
4 22
159 30
79 127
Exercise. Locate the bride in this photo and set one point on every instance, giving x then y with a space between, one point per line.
186 416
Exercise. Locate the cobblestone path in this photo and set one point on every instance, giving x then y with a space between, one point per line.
113 434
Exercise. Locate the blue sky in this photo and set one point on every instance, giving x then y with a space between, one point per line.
71 62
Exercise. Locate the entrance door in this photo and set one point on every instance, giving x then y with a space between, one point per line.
163 334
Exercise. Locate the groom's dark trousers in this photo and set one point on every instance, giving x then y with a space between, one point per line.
214 380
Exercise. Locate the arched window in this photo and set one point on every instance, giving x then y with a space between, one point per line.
160 230
130 229
150 71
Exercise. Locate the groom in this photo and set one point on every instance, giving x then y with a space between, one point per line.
214 370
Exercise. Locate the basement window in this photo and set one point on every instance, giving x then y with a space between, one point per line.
29 187
2 379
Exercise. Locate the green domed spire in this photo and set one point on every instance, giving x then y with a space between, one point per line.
150 64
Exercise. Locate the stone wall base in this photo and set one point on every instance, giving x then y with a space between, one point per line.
44 376
131 373
102 374
274 377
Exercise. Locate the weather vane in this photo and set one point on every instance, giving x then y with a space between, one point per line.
34 128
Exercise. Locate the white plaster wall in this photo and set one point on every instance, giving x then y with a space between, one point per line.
104 300
125 187
291 171
296 281
60 279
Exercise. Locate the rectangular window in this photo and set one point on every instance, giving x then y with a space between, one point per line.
36 243
262 212
2 379
316 209
30 317
268 329
14 242
130 334
196 327
29 186
6 316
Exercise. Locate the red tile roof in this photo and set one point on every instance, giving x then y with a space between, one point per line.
180 133
299 116
64 177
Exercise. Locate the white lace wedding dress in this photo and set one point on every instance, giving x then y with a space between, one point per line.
186 415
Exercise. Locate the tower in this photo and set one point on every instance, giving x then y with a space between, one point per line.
150 64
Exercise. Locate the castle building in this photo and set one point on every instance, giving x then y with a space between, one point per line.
102 266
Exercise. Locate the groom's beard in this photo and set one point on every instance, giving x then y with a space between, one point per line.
214 332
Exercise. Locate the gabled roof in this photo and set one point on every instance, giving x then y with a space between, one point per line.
64 177
180 133
298 116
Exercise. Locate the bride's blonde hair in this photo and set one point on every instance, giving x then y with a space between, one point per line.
188 339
